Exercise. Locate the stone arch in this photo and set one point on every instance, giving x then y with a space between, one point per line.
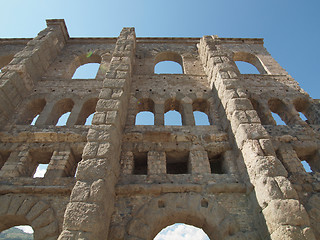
28 210
168 56
87 109
189 208
250 58
82 59
32 109
60 107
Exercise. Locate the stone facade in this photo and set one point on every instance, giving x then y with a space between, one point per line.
240 177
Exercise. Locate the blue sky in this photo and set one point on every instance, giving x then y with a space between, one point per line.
290 28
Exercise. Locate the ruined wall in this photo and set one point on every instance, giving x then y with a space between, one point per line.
240 177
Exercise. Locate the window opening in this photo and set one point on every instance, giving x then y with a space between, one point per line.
303 117
86 71
181 231
41 170
89 120
34 120
40 162
201 118
246 68
145 118
278 119
172 118
140 163
63 119
216 164
177 162
168 67
18 232
306 166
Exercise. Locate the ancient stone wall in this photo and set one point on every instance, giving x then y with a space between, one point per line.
240 177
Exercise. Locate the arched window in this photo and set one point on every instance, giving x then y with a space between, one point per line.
246 68
145 118
200 112
302 106
255 65
88 109
63 119
306 166
181 231
168 63
17 232
145 112
89 120
84 66
31 111
172 109
62 107
86 71
279 111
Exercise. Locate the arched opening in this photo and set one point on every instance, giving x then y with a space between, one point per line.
302 105
62 121
85 66
86 71
24 232
32 111
306 166
279 112
172 114
181 231
62 107
168 67
252 59
201 112
261 111
145 118
172 118
168 63
88 109
89 120
246 68
145 112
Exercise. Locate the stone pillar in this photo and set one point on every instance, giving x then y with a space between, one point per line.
157 163
10 168
62 164
91 204
74 114
159 114
187 115
127 161
44 115
285 216
27 66
199 162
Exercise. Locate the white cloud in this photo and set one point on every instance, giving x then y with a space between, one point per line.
26 229
181 231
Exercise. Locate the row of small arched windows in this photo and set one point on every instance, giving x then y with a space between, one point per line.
57 114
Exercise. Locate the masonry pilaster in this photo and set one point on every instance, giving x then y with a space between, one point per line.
275 194
28 65
88 215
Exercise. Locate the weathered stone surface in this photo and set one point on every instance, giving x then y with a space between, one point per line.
239 177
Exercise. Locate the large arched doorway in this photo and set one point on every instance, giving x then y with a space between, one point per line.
181 231
189 208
